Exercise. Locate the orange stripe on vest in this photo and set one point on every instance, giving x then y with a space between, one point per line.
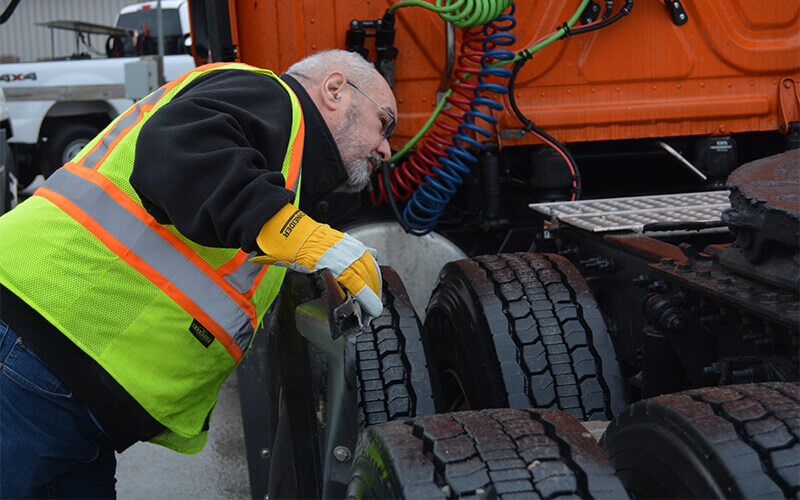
143 268
140 213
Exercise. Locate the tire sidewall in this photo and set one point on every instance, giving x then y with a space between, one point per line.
64 143
693 470
472 355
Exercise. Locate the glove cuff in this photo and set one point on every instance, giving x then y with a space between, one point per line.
283 234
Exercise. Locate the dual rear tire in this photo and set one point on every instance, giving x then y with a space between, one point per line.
522 331
490 321
518 330
740 441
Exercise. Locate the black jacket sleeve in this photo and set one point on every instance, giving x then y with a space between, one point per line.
209 161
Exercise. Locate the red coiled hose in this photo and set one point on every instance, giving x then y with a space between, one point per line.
405 178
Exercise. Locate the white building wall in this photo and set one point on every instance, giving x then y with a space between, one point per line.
21 38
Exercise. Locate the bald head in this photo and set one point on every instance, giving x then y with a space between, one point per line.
313 69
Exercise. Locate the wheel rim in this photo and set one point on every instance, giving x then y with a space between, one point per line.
72 149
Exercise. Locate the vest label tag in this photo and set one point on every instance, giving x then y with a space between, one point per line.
201 333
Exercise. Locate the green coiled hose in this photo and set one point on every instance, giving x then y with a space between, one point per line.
461 13
525 53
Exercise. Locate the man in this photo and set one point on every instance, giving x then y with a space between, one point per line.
132 283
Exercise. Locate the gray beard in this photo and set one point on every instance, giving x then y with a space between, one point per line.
351 149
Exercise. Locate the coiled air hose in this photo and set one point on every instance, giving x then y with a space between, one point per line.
421 214
442 163
461 13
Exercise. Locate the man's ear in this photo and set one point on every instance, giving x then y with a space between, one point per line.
332 90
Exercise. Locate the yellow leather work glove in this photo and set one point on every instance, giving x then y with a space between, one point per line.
294 240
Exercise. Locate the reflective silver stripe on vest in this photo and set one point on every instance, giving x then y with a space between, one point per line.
156 252
126 121
243 277
296 182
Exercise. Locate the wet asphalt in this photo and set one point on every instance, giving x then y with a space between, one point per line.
146 471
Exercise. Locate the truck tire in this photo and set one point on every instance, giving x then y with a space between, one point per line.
522 330
391 381
500 453
738 441
392 371
65 140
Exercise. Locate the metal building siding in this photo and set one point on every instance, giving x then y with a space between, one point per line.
20 37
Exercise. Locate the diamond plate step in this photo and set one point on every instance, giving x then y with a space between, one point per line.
635 213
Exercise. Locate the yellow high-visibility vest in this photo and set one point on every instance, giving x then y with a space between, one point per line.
167 318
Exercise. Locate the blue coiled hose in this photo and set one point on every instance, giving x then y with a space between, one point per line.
422 212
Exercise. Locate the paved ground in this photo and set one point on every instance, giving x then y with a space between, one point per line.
146 471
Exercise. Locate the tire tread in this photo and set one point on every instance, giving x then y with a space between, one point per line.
766 430
535 453
391 375
556 336
746 434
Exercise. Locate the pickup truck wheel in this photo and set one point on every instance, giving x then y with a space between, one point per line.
522 330
9 189
738 441
64 142
392 371
500 453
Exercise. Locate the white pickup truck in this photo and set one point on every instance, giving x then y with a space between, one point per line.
8 170
57 106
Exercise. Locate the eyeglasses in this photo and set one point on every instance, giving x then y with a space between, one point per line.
388 127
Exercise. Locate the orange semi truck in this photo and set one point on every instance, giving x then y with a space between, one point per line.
607 198
731 68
